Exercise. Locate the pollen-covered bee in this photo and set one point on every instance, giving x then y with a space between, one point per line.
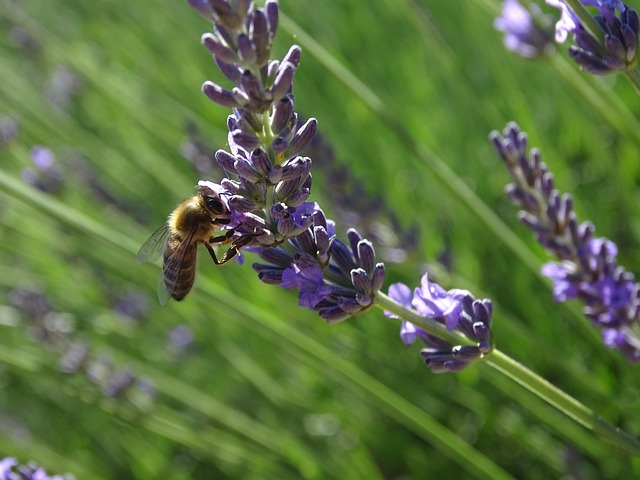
196 220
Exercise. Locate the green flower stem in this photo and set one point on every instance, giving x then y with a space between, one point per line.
562 401
525 377
634 77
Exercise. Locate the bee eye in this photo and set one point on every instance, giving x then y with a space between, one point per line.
215 205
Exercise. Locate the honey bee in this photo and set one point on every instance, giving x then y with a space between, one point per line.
194 221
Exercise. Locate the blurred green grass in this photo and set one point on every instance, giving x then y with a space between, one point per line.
268 390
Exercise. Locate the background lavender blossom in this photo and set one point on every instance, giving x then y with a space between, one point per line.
406 96
11 470
526 32
587 268
608 43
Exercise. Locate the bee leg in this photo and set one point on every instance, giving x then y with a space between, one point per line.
236 246
226 238
234 249
222 238
213 254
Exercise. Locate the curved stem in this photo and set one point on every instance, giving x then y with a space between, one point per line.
525 377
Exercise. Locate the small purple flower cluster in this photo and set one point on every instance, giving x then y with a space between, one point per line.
335 279
587 267
619 50
271 183
10 470
457 310
119 383
55 330
47 176
529 33
8 130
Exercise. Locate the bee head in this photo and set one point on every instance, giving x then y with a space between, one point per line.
214 204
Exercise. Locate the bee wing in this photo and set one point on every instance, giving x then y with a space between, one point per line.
173 264
163 291
154 246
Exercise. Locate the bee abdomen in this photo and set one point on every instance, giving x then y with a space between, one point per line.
180 276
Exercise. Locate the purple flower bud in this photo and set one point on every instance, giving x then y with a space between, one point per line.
252 86
261 163
226 161
322 240
268 274
226 15
285 223
247 141
342 255
244 168
302 138
246 49
301 195
272 14
442 362
279 145
220 95
242 204
282 114
260 37
293 56
283 82
366 255
466 353
229 70
360 280
332 313
203 7
221 51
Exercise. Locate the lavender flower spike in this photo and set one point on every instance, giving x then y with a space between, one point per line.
457 310
526 32
618 51
269 182
587 267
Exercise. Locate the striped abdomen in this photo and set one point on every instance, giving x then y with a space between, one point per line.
179 267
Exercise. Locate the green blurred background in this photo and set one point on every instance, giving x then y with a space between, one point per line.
238 381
